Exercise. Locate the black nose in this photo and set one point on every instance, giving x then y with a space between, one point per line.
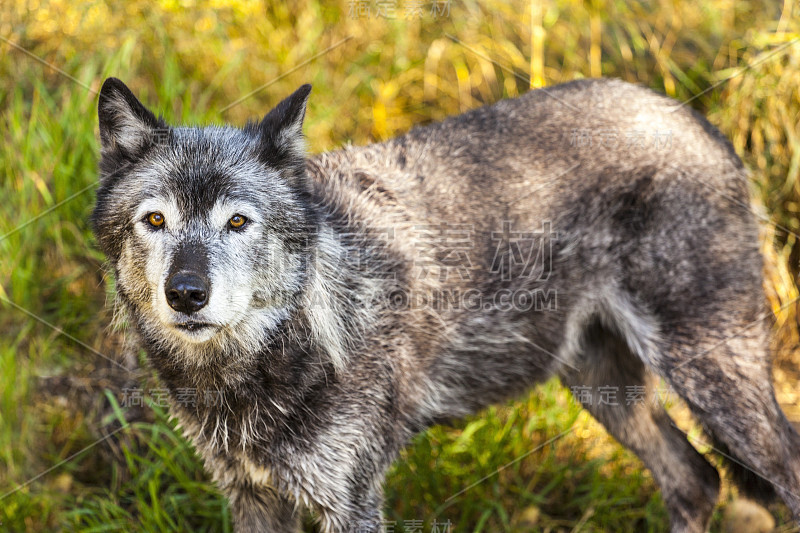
186 292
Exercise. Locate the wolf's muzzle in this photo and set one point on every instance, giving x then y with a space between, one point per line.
187 292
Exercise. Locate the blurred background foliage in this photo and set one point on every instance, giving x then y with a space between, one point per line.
378 68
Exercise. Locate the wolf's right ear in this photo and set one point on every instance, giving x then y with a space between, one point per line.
124 122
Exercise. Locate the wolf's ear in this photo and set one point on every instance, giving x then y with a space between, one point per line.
124 122
282 128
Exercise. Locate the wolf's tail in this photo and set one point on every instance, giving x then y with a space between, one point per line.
750 484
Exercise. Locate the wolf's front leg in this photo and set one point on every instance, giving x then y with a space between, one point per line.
362 514
256 509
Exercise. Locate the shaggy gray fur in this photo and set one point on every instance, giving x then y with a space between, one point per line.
596 231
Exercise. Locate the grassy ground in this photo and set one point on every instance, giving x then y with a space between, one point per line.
373 77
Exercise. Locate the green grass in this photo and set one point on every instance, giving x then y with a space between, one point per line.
190 61
524 464
157 485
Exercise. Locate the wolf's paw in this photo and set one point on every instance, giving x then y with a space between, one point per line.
746 516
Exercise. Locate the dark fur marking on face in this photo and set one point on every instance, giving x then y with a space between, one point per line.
190 257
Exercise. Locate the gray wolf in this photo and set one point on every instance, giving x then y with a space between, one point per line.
337 305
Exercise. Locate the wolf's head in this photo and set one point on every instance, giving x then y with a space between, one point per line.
208 229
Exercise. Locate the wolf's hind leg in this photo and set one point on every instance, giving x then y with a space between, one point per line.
726 380
689 484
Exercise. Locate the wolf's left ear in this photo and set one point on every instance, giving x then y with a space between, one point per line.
282 128
124 122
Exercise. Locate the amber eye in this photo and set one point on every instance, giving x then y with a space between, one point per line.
237 221
155 219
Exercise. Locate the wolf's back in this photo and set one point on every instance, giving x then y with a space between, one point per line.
602 160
